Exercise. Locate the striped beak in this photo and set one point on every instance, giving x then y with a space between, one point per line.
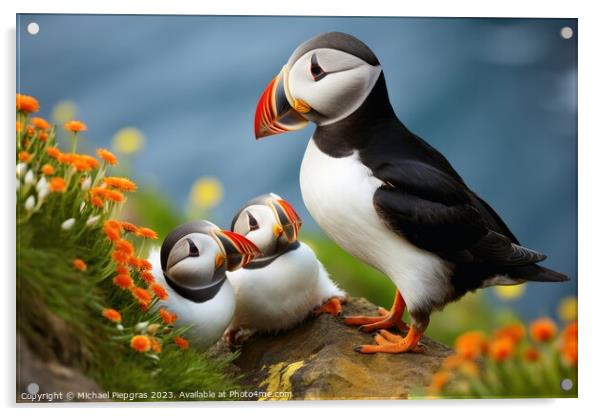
237 250
287 218
275 113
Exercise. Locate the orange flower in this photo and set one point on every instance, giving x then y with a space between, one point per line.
167 317
471 344
47 170
24 156
155 345
134 262
159 291
142 295
111 315
501 349
65 158
145 265
120 257
79 264
30 131
112 230
570 352
123 280
140 343
40 123
569 347
531 354
89 161
123 184
107 156
439 380
75 126
43 136
27 104
115 196
57 184
147 277
124 246
570 332
53 152
543 329
19 127
145 232
97 202
515 332
181 342
128 227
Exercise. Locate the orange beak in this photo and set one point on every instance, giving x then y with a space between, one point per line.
288 219
274 113
238 250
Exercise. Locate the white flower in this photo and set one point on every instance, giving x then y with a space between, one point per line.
119 327
30 203
29 178
92 220
42 184
86 183
67 224
43 193
21 169
82 206
141 326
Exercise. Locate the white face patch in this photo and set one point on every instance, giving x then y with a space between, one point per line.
261 234
194 271
346 86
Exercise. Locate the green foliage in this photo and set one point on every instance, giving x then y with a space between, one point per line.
60 302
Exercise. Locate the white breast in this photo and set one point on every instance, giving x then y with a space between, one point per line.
281 294
338 192
209 319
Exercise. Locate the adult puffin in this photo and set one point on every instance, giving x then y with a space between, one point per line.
384 194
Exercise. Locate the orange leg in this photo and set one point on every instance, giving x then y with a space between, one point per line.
386 319
332 307
393 344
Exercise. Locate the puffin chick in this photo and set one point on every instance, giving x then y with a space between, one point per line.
287 283
192 265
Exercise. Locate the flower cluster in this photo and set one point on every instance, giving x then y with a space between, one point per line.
513 361
71 193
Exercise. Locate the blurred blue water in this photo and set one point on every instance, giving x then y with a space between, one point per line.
497 96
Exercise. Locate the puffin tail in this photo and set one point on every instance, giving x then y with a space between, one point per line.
535 273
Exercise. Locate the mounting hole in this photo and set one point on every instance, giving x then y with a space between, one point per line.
33 28
566 384
566 32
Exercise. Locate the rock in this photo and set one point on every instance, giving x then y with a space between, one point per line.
48 380
316 361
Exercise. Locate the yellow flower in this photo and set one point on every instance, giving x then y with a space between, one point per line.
206 192
128 140
63 112
567 309
509 292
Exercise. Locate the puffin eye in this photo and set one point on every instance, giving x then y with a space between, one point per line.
253 225
193 250
316 70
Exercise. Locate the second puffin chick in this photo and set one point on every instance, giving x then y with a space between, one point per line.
287 283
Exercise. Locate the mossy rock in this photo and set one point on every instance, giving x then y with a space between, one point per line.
316 361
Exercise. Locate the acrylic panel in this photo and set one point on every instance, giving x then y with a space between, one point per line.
209 207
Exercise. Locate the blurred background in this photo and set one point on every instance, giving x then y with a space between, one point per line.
175 97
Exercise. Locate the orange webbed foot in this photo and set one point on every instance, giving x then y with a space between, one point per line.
332 307
385 318
393 344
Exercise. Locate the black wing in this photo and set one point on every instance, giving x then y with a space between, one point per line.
436 212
